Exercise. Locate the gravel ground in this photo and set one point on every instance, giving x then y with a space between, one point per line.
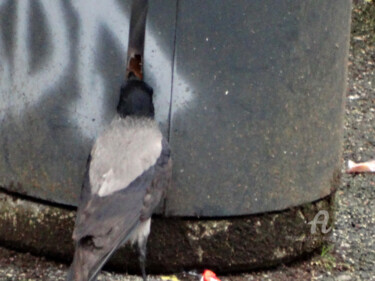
350 252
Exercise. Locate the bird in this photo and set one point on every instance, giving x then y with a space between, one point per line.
127 175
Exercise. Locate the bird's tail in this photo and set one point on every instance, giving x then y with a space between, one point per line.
84 260
88 260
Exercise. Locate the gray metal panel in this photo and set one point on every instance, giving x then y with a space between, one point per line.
257 121
61 67
257 96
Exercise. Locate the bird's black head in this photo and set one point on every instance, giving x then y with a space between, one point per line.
135 99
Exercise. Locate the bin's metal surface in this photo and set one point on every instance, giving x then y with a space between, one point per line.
62 63
250 94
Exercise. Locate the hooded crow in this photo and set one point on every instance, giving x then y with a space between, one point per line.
127 175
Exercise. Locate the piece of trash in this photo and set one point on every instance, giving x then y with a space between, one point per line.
193 273
209 275
363 167
169 278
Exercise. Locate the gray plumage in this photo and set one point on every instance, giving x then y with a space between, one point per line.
135 145
128 172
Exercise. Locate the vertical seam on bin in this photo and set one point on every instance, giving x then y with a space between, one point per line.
173 69
171 94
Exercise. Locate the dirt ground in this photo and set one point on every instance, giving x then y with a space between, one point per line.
350 253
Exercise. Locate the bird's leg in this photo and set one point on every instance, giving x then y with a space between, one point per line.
142 257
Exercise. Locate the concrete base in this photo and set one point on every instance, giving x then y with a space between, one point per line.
175 244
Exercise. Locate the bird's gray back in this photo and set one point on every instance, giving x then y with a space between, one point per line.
123 152
122 186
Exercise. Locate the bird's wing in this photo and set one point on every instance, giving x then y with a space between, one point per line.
99 215
119 173
160 182
104 223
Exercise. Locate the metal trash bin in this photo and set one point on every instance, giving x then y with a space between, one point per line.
249 93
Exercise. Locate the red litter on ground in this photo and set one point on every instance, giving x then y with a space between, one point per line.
209 275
